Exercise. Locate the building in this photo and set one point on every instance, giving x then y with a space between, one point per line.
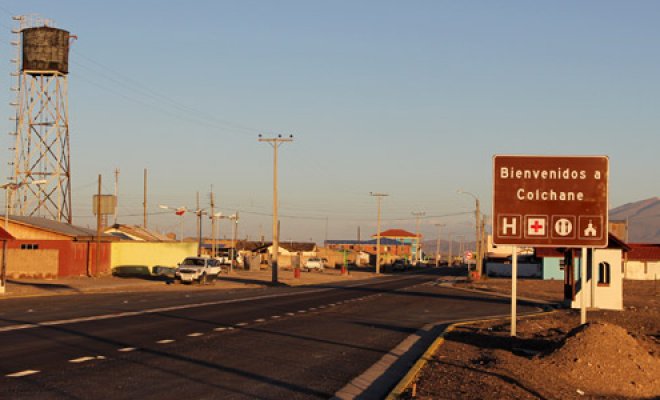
135 232
410 239
43 248
642 262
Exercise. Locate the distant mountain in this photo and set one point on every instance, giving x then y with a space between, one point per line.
643 220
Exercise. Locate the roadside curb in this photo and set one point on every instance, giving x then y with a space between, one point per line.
414 371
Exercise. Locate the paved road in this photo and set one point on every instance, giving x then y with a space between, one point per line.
274 343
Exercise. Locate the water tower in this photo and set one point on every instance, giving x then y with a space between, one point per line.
41 163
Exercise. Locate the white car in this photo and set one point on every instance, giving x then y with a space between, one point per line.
198 269
314 263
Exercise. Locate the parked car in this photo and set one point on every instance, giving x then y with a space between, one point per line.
198 269
400 265
314 263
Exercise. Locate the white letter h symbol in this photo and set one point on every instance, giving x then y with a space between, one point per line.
506 226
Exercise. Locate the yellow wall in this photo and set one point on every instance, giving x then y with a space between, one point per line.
150 254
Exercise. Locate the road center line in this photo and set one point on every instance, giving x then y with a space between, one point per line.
165 341
21 374
34 325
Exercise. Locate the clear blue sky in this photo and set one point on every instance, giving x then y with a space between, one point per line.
408 98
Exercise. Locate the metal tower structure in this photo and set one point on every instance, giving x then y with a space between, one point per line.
41 169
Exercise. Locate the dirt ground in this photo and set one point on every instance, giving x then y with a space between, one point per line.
615 356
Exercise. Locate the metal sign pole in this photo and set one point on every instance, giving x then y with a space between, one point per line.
514 287
583 287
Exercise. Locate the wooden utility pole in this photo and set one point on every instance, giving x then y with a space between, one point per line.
213 247
437 246
116 193
145 199
98 228
379 197
275 143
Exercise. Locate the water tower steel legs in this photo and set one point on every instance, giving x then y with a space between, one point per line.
42 149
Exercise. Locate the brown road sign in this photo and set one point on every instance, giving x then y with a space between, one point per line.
550 201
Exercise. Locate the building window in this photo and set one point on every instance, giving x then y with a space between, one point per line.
29 246
604 274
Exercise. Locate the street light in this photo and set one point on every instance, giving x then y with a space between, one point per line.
13 187
234 229
477 218
178 211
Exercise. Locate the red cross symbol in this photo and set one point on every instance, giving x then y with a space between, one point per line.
536 226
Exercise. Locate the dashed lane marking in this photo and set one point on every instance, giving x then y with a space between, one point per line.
85 359
275 317
165 341
302 311
241 324
220 329
21 374
260 320
290 314
127 349
195 334
171 308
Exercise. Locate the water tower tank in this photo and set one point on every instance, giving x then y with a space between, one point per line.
45 50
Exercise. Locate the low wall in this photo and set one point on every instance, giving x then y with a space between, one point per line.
642 270
32 263
151 254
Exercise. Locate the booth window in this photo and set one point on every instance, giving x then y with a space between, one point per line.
604 274
29 246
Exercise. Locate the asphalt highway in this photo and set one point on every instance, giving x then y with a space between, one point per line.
273 343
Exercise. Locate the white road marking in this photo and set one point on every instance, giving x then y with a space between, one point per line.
22 373
86 358
323 307
172 308
301 311
127 349
312 309
290 314
241 324
275 317
221 329
196 334
259 320
165 341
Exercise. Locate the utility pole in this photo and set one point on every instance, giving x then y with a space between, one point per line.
437 246
379 197
199 221
116 193
275 143
145 199
451 247
212 224
418 249
98 227
477 221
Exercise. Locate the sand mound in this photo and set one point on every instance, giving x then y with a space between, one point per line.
593 357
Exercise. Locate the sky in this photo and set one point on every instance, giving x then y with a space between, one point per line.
408 98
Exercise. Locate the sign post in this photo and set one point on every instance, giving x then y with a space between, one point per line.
549 201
